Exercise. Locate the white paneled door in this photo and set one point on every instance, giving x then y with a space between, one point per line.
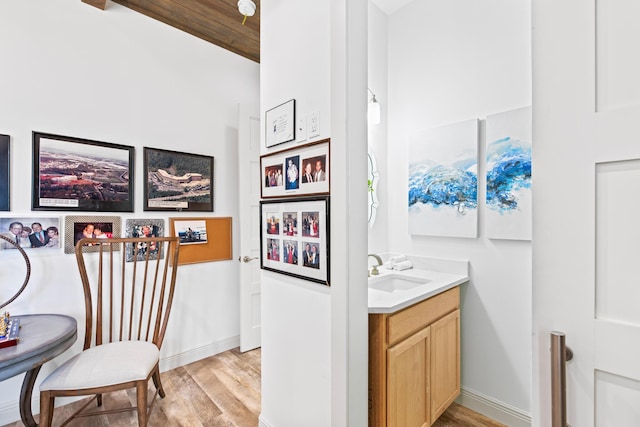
249 197
586 175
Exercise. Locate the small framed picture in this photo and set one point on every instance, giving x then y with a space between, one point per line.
144 228
33 232
280 124
98 227
299 171
175 181
294 237
4 173
75 174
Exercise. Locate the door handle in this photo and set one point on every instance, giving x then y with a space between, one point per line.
246 258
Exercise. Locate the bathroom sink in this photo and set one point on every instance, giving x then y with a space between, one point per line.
394 283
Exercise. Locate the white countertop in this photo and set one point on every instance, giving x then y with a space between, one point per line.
438 281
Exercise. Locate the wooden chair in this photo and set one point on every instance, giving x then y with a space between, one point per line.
128 290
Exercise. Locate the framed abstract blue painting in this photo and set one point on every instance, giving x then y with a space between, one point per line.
443 181
509 198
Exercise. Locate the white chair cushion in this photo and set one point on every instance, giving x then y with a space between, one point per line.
104 365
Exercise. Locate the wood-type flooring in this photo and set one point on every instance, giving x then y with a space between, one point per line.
221 390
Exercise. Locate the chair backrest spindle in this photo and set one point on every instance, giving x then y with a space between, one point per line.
139 305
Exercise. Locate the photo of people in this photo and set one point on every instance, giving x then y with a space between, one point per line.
290 220
144 228
314 169
273 176
301 249
273 223
311 255
191 232
310 224
273 249
293 173
290 252
98 230
29 232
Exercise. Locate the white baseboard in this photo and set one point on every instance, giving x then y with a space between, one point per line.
494 409
10 413
200 353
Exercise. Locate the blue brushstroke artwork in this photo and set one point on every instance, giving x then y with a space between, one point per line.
508 172
509 200
443 181
438 185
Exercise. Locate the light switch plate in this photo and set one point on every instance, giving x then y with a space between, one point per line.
301 128
314 124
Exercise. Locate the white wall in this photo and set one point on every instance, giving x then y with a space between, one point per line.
377 135
448 62
116 76
312 372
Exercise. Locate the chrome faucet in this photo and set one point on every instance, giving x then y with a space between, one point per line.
374 269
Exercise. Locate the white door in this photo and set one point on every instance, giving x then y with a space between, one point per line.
586 177
249 197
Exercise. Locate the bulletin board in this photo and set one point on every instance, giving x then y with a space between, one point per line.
218 241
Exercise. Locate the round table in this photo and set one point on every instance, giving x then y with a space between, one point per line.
42 337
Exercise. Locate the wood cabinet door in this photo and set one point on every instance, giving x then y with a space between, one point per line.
445 363
408 365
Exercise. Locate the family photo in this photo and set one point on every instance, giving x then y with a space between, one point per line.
92 230
144 228
30 233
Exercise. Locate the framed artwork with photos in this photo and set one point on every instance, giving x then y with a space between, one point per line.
77 227
299 171
75 174
144 228
294 238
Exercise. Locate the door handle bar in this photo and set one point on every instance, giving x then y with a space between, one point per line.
560 355
246 258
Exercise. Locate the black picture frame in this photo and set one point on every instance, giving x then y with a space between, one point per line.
5 176
280 124
76 174
294 238
185 184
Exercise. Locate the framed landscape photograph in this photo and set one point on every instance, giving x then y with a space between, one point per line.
294 238
4 173
75 174
79 227
280 124
143 228
299 171
175 181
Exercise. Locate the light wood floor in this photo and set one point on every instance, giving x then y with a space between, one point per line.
221 390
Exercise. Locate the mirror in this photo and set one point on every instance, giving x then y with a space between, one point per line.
372 184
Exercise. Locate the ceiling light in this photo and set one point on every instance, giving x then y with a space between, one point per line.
247 8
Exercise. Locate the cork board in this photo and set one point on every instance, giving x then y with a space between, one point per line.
202 239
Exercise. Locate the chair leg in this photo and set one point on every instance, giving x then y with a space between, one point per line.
141 394
47 402
157 382
99 399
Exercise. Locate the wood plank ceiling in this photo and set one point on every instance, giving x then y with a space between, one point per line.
216 21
